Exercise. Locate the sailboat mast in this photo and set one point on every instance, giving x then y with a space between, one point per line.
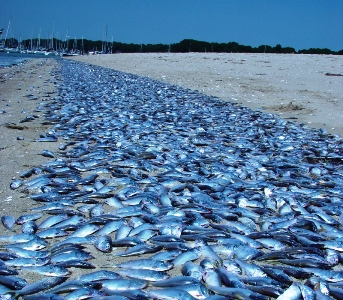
39 37
106 40
8 28
52 35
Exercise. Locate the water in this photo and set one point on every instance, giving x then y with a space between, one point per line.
9 59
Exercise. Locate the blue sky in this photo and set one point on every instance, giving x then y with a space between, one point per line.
301 24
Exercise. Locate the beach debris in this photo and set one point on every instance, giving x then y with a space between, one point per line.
28 119
332 74
8 199
11 125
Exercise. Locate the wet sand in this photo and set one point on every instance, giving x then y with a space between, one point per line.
296 87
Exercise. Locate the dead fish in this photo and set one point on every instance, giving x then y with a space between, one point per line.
170 294
188 178
20 252
147 264
13 282
15 184
41 285
144 274
30 217
111 285
76 263
48 153
8 222
36 243
29 227
103 243
70 255
48 270
140 249
99 275
26 262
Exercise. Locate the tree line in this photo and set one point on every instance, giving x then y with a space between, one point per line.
186 45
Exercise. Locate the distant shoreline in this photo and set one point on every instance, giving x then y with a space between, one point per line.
85 46
11 59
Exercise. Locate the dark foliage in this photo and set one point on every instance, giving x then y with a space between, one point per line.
317 51
186 45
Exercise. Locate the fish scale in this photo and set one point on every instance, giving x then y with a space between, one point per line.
209 179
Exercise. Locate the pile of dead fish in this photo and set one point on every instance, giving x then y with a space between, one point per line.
159 192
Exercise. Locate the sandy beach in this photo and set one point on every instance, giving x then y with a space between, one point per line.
300 88
23 88
295 87
25 91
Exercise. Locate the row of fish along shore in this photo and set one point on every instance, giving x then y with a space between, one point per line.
201 175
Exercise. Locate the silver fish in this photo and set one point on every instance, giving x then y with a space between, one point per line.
13 282
193 270
197 290
51 233
52 220
123 284
250 269
148 264
41 285
31 217
8 222
21 237
99 276
175 281
48 153
85 230
189 255
110 227
139 249
170 294
103 243
83 293
15 184
36 243
29 227
144 274
75 254
26 262
48 270
293 292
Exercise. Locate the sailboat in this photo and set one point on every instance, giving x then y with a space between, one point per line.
9 49
1 40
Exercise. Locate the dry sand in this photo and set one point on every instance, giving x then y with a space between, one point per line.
18 149
293 86
17 155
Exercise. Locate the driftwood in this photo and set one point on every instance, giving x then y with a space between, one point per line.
15 126
331 74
